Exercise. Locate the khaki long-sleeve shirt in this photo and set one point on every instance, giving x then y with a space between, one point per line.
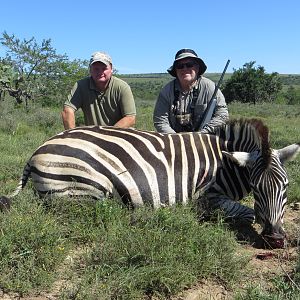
166 109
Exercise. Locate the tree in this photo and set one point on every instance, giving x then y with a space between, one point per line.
251 84
37 72
292 95
9 82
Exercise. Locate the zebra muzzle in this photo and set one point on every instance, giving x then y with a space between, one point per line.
274 241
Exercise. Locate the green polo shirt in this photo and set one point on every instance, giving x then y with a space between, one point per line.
102 108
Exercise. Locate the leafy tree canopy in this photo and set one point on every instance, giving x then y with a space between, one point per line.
252 84
35 71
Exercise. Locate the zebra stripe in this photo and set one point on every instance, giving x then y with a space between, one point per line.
142 167
139 167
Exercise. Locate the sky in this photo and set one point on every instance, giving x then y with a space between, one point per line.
144 36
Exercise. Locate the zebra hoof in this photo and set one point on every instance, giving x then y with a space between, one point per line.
4 203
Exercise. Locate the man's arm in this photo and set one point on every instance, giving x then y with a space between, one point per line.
127 107
126 122
68 117
161 114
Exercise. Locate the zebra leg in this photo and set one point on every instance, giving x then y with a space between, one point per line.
232 210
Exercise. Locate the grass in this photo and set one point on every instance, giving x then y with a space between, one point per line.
282 290
103 251
31 246
154 253
130 253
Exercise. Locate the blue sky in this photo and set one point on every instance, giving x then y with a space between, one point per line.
143 36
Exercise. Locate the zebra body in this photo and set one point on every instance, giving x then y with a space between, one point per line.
143 167
137 166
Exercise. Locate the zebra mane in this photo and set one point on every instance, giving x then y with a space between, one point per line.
235 131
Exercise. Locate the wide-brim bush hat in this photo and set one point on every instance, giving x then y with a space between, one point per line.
185 53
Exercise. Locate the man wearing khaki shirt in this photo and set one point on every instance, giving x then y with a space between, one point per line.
182 103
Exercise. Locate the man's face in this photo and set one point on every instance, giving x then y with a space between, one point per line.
101 73
187 70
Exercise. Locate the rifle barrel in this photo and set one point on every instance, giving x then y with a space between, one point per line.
213 102
221 79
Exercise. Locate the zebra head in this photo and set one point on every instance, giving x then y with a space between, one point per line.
269 182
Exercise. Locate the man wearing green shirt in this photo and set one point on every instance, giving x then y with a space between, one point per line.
104 99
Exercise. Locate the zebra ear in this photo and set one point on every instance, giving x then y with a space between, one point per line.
288 153
243 159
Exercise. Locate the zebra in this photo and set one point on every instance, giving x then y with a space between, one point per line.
150 168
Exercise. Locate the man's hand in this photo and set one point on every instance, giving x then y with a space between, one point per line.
126 122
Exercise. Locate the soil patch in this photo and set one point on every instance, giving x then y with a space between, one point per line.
264 264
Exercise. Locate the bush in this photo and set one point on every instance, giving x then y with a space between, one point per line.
252 85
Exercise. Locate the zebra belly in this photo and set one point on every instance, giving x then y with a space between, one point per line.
53 175
75 178
68 179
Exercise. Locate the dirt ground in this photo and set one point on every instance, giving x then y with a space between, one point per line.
264 264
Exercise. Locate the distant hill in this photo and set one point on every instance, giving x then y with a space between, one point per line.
290 79
146 75
147 86
287 79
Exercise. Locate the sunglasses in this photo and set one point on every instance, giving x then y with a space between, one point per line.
187 65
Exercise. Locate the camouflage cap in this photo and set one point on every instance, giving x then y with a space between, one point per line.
101 57
185 53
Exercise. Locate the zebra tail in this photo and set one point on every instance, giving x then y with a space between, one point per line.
23 181
5 202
